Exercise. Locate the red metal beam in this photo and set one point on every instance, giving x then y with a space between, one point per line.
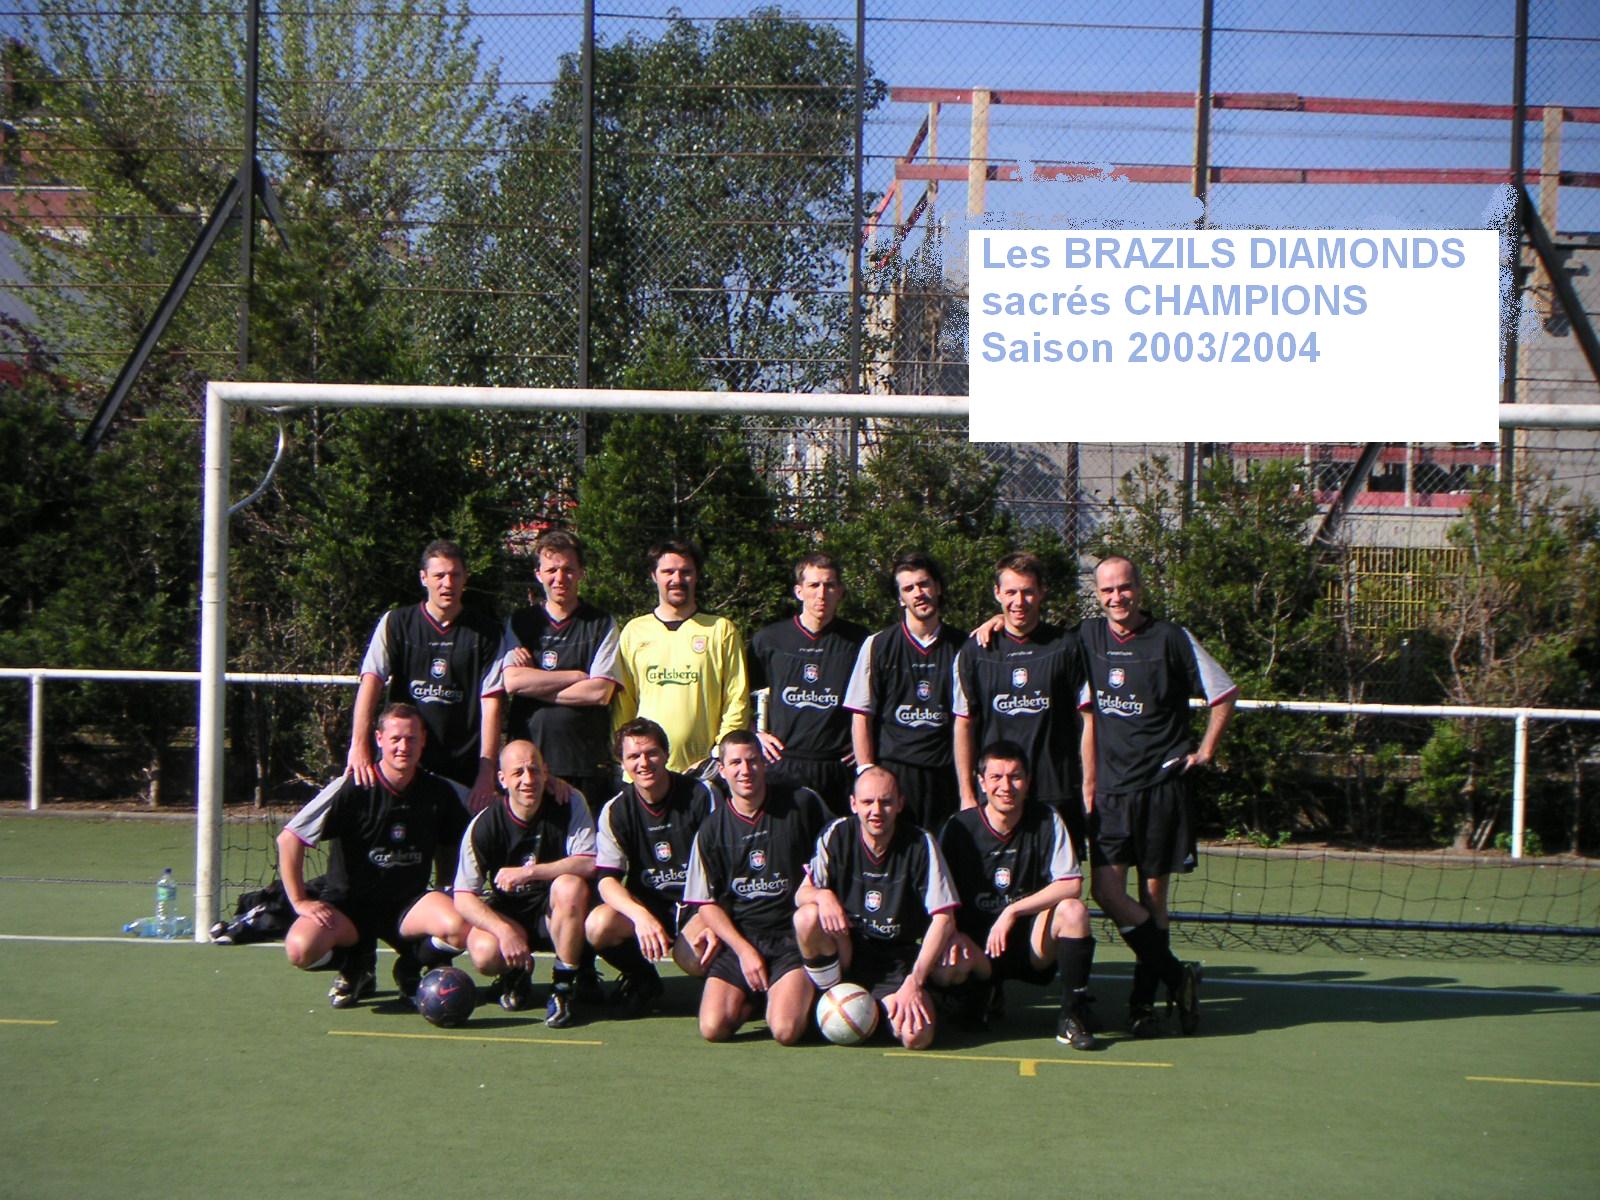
1251 101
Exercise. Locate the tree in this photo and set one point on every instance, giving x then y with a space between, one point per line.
1521 628
721 208
1240 574
142 110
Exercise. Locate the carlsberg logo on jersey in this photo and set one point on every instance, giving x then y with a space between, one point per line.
424 692
1008 705
672 676
1118 706
912 717
753 889
796 697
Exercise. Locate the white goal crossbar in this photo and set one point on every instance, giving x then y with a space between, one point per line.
221 397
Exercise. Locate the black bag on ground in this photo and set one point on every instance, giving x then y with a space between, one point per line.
263 915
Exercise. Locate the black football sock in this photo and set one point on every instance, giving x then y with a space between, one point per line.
1074 956
1149 944
563 975
626 957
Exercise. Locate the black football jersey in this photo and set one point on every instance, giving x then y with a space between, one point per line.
444 671
806 674
751 866
499 838
905 687
1027 690
648 847
1142 684
889 897
992 870
575 739
384 839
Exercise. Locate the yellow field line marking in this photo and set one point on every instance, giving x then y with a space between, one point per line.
462 1037
23 1021
1535 1082
1027 1068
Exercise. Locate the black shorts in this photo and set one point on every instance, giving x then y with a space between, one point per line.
932 794
1017 961
780 950
1148 829
534 919
880 967
827 777
375 919
664 909
1074 818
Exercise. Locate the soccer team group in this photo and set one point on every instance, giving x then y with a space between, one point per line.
908 810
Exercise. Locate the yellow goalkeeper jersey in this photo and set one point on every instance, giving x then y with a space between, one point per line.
689 680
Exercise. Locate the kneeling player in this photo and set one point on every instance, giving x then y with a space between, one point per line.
644 837
874 888
749 858
1020 886
384 838
526 862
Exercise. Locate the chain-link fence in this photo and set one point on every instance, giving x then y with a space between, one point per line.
730 197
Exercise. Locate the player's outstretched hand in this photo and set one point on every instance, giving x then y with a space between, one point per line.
984 634
359 764
484 788
653 941
908 1009
831 914
514 948
315 910
1000 933
705 945
771 745
561 791
511 879
754 968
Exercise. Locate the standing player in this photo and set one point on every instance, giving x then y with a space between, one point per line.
680 667
900 691
1022 913
444 659
560 669
1024 687
384 835
749 858
523 882
876 907
1143 671
804 662
645 834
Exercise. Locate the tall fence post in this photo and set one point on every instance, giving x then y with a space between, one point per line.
36 743
1519 786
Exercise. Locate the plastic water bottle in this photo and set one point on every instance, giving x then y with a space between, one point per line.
166 905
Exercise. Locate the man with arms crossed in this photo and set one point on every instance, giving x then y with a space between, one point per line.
876 907
804 663
560 670
384 837
523 882
682 668
1143 671
645 834
749 858
1022 914
900 691
1024 686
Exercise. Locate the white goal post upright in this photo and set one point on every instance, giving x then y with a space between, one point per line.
221 397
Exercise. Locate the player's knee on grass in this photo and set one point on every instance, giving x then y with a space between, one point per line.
920 1040
723 1008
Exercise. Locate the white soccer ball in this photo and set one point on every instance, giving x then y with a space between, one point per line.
847 1014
